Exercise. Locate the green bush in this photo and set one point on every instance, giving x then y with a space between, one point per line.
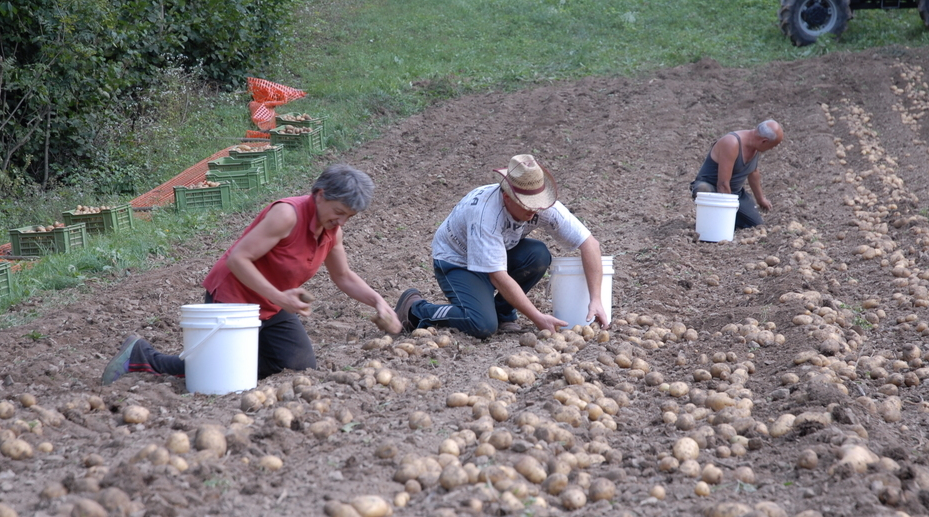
70 72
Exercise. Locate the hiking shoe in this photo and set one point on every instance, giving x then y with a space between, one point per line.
119 365
404 304
509 327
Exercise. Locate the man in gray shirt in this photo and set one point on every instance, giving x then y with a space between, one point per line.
733 161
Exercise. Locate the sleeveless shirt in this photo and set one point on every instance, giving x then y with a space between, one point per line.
289 264
709 172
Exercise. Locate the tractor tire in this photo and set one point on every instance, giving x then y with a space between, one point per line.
924 11
803 21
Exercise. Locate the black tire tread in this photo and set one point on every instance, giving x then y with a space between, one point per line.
790 26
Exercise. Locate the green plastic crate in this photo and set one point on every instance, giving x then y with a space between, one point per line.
274 157
28 242
116 219
202 198
315 122
311 141
227 164
239 180
6 277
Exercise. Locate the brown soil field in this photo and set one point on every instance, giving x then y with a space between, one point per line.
792 357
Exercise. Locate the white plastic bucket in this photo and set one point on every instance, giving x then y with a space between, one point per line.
716 216
220 347
570 295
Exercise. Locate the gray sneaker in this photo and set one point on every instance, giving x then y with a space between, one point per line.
119 365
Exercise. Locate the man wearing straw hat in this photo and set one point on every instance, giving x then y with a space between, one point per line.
732 162
267 266
481 249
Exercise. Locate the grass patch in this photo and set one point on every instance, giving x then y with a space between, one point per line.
365 64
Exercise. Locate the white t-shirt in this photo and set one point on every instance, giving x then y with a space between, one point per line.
479 230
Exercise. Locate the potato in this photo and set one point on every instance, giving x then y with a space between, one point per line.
702 489
745 474
501 439
453 476
338 509
498 411
495 372
574 377
711 474
686 448
728 509
808 459
399 384
428 382
271 463
135 414
371 506
179 463
53 490
7 410
88 508
532 470
16 449
420 420
159 456
283 417
521 376
573 498
658 492
178 443
602 489
27 400
678 389
323 428
211 438
384 376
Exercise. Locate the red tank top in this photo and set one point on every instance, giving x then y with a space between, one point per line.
289 264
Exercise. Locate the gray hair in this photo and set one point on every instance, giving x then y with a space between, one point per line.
347 185
765 131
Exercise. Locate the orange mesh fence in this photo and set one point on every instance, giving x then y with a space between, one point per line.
257 134
272 94
164 193
262 116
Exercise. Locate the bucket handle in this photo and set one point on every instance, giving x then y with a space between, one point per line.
220 323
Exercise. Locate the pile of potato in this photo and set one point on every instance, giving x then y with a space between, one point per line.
41 229
205 184
303 117
294 130
243 148
85 210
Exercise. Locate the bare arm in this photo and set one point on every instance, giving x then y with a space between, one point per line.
593 273
724 153
277 224
511 292
754 182
353 285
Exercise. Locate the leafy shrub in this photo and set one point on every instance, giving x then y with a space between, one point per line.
69 72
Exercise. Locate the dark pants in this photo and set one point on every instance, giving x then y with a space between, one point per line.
747 216
282 343
474 309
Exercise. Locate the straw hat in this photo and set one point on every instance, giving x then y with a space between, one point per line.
528 183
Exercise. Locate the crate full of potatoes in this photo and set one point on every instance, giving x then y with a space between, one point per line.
203 195
101 219
304 120
295 137
273 154
39 240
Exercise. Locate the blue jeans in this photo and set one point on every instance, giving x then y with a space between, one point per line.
282 343
747 216
473 308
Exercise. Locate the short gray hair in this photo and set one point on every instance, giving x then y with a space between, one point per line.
347 185
765 131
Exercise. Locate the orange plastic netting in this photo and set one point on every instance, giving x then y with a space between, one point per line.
268 95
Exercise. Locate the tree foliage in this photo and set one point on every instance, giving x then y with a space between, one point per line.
69 68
